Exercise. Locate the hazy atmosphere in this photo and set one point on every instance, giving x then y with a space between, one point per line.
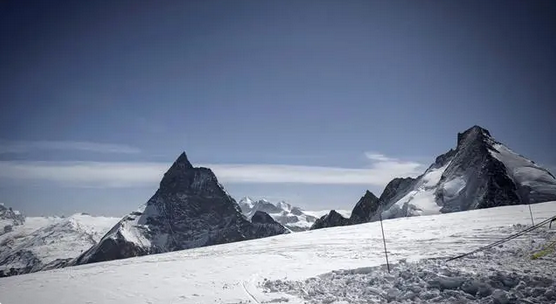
303 101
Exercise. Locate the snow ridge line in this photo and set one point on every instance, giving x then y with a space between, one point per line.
504 240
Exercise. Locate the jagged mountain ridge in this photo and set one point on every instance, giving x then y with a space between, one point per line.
479 173
190 209
293 218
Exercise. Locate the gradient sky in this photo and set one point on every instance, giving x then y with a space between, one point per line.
307 101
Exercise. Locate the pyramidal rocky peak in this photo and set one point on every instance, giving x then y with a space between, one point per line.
479 173
190 209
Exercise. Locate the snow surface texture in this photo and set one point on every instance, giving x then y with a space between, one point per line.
236 272
42 242
500 275
293 218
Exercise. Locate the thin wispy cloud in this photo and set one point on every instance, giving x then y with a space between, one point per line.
125 174
374 156
30 146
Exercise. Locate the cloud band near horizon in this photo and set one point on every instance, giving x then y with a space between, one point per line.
129 174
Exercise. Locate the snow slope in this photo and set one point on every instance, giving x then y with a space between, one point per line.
41 241
237 272
537 181
420 200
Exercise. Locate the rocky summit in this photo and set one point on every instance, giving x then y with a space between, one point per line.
332 219
265 225
479 173
190 209
364 208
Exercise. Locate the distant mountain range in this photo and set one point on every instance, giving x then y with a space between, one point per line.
191 209
479 173
293 218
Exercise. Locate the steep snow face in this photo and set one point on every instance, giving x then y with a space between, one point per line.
246 204
420 200
41 243
190 209
293 218
535 184
479 173
239 272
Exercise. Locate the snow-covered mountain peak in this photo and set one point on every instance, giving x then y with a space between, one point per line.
292 217
480 173
284 206
190 209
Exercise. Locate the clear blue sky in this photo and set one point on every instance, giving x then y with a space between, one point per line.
311 102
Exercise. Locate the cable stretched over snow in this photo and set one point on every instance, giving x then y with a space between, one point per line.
506 239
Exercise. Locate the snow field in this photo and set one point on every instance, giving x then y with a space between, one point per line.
236 272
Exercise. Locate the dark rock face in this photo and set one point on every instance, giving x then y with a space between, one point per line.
32 263
487 183
261 217
332 219
365 208
265 225
190 209
395 187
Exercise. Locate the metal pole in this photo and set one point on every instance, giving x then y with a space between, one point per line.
531 213
384 241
